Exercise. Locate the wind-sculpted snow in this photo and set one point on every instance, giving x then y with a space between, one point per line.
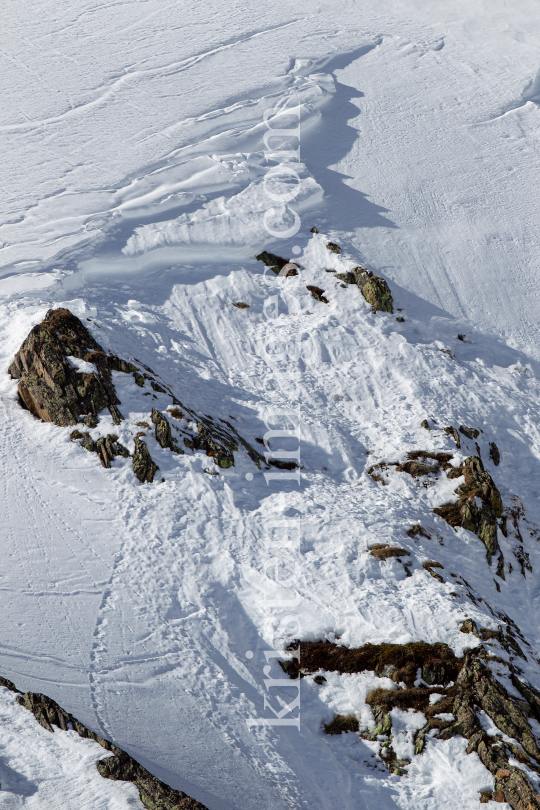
137 199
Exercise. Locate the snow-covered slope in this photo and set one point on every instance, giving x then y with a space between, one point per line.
135 198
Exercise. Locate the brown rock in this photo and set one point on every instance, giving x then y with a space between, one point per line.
49 386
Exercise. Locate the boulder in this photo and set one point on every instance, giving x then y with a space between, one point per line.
374 289
278 265
143 466
50 386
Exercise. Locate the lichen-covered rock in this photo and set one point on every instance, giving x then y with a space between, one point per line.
377 293
50 386
143 466
466 513
163 431
479 483
374 289
222 453
106 447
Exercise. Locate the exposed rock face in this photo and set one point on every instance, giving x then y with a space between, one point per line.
280 266
467 685
221 452
333 247
374 289
317 293
55 390
494 454
154 794
451 431
143 466
163 432
49 384
106 448
466 513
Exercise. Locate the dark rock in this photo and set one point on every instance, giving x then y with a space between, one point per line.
333 247
494 454
314 230
470 433
280 266
400 320
384 552
425 424
49 386
482 521
220 451
143 466
317 293
282 465
163 432
241 305
451 431
428 566
319 680
154 794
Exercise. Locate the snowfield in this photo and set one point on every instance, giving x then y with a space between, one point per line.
137 190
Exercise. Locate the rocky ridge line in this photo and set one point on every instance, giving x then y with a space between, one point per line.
154 794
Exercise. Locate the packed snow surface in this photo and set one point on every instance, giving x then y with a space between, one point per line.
137 188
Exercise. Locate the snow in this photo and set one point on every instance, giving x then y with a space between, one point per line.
39 769
136 193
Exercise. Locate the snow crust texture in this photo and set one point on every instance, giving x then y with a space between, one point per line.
140 185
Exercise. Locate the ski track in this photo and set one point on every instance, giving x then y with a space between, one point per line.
134 605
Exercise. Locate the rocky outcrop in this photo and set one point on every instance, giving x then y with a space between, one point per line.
374 289
163 432
451 431
143 466
106 448
65 377
154 794
418 464
221 451
482 520
464 687
317 293
50 384
278 265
